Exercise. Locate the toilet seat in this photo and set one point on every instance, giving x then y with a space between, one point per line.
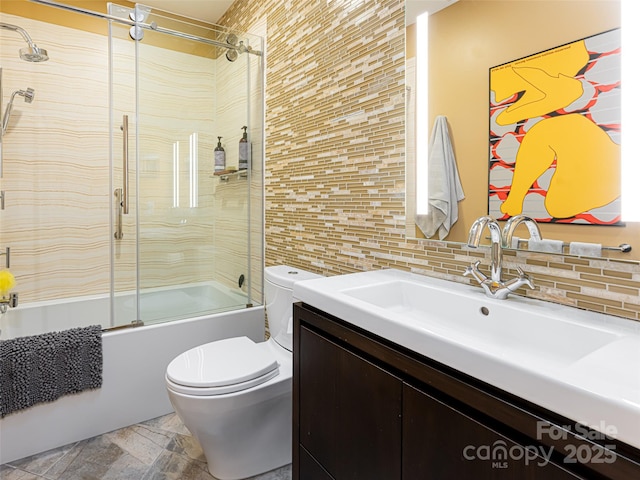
220 367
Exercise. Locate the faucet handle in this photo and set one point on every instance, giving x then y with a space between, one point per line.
471 268
525 278
475 272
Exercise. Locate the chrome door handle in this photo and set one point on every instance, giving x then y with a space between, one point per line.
118 234
125 164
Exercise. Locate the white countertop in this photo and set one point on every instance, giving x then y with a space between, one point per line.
579 364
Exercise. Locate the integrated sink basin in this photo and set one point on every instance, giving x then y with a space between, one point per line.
471 319
582 365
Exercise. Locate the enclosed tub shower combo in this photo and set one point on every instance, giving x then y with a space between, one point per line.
110 212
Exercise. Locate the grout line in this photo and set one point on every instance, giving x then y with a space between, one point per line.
44 475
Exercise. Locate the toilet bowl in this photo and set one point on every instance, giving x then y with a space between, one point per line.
234 395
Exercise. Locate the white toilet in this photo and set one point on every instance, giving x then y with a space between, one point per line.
234 395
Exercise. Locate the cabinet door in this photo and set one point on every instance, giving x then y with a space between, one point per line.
310 469
442 443
350 412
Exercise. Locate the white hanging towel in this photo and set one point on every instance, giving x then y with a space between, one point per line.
586 249
547 245
445 189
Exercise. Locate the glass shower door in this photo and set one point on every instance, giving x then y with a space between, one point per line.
123 145
193 243
55 214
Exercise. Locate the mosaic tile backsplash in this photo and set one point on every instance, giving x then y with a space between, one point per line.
335 170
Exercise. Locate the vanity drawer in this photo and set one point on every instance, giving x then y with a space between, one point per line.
439 442
349 412
366 408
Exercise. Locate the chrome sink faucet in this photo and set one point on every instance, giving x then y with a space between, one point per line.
494 287
513 222
475 235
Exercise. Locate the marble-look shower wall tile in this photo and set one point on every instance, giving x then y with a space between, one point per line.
56 160
174 202
230 233
238 224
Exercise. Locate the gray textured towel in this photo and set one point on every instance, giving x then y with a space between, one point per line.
42 368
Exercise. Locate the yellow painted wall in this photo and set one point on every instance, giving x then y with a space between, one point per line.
468 38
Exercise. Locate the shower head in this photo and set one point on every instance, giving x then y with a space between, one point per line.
32 53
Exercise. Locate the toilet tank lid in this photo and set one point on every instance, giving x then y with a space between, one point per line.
286 276
220 363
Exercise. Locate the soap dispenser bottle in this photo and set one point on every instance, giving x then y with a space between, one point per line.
243 154
220 160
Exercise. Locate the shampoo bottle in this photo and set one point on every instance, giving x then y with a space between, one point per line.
243 154
219 155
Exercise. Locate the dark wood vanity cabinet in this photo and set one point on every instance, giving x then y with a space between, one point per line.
350 420
440 442
367 409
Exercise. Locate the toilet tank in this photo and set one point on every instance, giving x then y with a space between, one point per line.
278 293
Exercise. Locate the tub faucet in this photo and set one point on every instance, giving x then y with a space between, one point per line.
9 301
494 287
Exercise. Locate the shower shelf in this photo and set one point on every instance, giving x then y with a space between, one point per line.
225 175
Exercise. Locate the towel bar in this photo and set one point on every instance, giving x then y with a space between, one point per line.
623 247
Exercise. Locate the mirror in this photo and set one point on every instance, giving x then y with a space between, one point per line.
466 39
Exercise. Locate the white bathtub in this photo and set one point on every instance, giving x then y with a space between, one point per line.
135 360
156 305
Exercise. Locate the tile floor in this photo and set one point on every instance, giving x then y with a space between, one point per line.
159 449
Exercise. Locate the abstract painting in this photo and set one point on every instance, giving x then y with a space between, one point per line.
554 140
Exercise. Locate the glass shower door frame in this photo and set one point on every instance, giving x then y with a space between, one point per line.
181 220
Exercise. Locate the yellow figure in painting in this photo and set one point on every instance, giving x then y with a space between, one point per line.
587 167
547 81
587 170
